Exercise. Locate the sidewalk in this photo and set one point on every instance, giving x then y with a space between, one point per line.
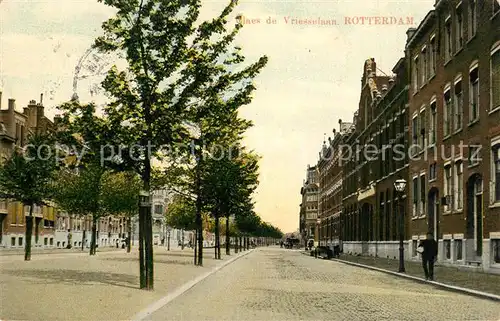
474 280
37 251
101 287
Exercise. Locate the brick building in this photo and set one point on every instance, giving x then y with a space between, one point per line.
374 160
309 205
454 169
15 127
330 187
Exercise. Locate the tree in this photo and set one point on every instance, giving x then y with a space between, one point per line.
227 186
173 68
119 196
248 223
81 192
181 214
27 177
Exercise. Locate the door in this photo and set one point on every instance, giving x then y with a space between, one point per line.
433 217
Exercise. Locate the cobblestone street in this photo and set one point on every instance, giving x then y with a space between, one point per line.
278 284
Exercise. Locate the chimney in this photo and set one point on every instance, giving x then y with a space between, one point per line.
409 33
0 100
12 104
41 99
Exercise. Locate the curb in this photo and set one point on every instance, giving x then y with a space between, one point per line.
145 313
480 294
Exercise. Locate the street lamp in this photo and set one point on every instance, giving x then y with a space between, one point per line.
169 229
318 222
400 186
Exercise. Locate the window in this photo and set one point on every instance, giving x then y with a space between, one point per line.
432 172
472 18
367 106
158 209
422 194
474 156
12 241
46 241
474 94
433 124
448 185
495 157
447 249
447 40
496 250
416 74
432 56
423 121
415 195
414 131
414 247
458 106
423 68
495 78
447 113
20 241
458 250
458 198
459 28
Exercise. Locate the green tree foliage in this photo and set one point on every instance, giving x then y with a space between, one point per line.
177 73
181 213
84 191
227 186
27 176
119 193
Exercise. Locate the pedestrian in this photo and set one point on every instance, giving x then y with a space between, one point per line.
429 250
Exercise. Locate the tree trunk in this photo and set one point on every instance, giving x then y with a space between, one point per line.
129 231
195 247
93 238
2 217
29 233
228 239
241 245
84 236
37 230
217 240
235 244
199 223
182 239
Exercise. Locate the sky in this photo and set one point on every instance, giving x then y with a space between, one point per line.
312 79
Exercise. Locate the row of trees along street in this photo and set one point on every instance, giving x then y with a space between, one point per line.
183 87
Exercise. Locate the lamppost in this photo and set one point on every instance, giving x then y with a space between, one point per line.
169 229
318 223
400 186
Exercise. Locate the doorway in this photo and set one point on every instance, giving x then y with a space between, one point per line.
474 222
433 210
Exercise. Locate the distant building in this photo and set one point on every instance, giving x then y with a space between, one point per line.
162 233
15 127
330 187
309 206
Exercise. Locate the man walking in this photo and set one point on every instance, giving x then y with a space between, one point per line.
429 251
